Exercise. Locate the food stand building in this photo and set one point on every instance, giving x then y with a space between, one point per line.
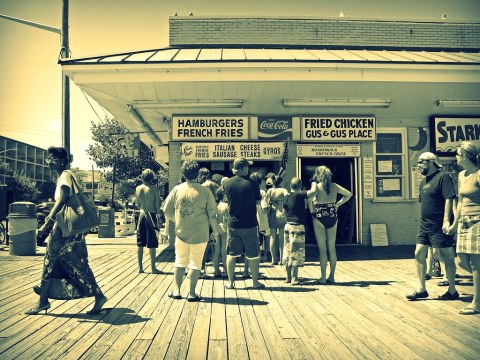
364 97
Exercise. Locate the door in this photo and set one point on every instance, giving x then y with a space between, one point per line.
344 174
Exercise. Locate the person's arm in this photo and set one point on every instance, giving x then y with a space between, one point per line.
346 195
447 213
168 206
212 212
458 210
313 189
58 206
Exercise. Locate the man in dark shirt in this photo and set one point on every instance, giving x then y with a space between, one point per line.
436 196
243 195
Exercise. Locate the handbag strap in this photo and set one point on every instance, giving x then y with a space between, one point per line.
74 182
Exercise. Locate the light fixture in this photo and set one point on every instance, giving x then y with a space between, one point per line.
147 104
458 103
342 14
382 103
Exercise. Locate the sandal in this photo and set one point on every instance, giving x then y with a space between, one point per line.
174 296
469 311
230 287
443 283
195 298
97 307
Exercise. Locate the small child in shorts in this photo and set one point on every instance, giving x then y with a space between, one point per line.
294 243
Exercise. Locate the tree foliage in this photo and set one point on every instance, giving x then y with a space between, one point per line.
106 150
24 188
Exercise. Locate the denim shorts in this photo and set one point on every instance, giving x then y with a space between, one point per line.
243 240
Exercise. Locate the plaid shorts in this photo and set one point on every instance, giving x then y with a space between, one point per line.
468 235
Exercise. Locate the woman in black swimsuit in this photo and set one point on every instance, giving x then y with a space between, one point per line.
323 207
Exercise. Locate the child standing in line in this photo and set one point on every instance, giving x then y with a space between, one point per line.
221 238
294 244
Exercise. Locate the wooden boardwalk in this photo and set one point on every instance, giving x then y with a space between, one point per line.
365 315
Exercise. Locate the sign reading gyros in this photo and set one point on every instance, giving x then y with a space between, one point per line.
338 128
230 151
194 127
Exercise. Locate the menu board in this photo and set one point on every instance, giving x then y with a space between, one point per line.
378 233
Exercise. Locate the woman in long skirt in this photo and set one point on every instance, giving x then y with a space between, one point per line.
66 272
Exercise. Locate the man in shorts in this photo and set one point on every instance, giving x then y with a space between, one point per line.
149 202
437 194
243 195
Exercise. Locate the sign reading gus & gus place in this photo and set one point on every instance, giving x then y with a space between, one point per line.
345 128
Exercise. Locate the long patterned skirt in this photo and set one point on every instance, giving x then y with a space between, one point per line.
66 264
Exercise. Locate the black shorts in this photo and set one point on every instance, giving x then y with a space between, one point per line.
146 235
435 240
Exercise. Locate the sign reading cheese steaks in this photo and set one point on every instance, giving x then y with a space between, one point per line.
328 128
198 127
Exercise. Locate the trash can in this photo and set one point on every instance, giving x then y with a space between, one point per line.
22 228
106 229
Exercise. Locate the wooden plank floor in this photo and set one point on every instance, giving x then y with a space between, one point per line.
365 315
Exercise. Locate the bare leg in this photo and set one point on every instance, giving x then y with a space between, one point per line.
273 245
332 251
281 239
421 265
464 262
321 237
140 258
254 265
153 257
216 255
224 252
475 265
429 270
179 276
193 275
246 274
289 274
231 262
295 274
448 256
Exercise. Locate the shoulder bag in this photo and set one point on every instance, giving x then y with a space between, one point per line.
78 215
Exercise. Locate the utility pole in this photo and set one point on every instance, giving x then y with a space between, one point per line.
64 53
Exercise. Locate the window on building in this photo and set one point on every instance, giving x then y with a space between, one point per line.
391 164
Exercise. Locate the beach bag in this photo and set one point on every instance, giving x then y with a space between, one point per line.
78 215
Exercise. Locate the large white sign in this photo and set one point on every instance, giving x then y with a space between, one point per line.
205 128
328 150
230 151
450 132
338 128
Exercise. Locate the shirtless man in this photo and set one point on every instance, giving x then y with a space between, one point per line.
149 203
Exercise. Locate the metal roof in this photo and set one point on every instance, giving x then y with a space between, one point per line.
205 55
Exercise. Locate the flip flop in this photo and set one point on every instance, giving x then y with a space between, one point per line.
174 296
195 298
228 287
443 283
469 311
259 287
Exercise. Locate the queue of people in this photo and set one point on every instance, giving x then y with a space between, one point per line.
241 217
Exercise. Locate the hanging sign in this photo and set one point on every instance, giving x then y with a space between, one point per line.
274 127
448 133
338 128
330 150
131 143
230 151
368 178
205 128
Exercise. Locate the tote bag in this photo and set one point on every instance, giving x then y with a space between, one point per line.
78 215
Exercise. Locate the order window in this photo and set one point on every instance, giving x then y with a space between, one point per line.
391 164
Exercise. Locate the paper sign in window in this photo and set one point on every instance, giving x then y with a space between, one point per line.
385 166
391 184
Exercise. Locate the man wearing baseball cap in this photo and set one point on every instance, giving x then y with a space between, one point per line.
436 195
243 194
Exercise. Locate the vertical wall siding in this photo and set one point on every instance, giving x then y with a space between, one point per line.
323 32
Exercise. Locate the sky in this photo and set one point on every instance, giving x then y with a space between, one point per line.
30 91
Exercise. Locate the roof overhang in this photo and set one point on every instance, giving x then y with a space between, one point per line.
413 86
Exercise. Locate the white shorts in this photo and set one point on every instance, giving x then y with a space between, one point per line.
189 255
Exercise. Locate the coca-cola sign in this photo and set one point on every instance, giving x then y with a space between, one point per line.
274 127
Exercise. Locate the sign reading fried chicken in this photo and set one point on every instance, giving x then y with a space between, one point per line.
347 128
206 128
